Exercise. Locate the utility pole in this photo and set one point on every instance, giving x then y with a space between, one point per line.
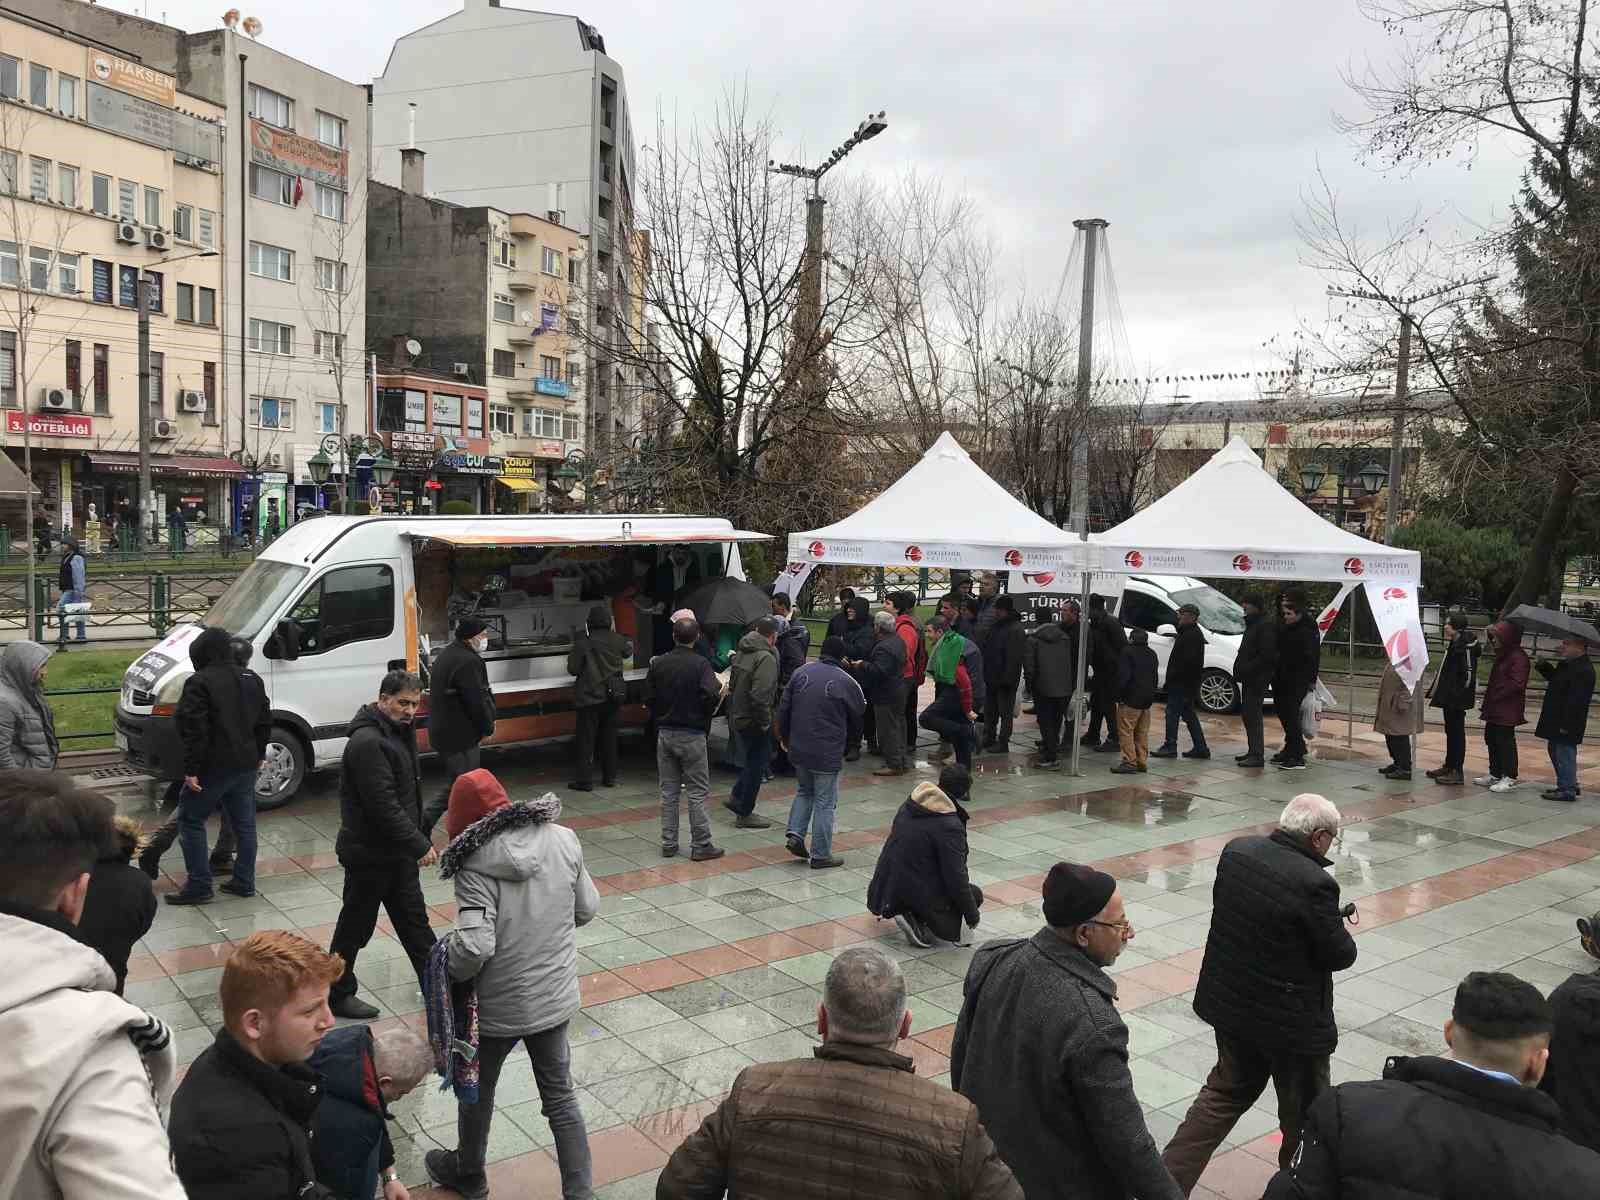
1093 229
146 497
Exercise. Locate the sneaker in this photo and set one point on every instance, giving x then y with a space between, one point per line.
912 929
1277 758
1436 772
182 898
706 853
1249 762
1386 770
1503 785
728 804
1292 764
1048 764
1487 781
234 889
445 1170
669 852
1558 794
822 864
1449 779
581 787
1398 775
150 862
751 821
1109 747
1123 768
1164 752
352 1008
1197 754
796 845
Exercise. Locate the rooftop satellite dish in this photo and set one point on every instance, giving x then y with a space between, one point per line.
527 316
252 27
413 347
230 18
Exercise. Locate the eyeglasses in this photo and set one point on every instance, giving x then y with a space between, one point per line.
1123 927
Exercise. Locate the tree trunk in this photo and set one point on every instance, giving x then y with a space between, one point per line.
1552 528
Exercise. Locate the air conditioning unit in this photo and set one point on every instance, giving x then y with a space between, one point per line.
128 231
157 240
164 429
191 401
461 369
275 459
55 400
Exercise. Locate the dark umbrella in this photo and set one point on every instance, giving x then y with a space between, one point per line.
728 601
1547 622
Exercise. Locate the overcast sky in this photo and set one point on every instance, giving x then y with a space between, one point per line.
1195 129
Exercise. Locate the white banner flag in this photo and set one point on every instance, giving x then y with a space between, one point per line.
1329 615
1394 607
792 578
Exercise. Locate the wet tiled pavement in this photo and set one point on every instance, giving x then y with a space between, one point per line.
694 970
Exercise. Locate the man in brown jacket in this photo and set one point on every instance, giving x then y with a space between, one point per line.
852 1122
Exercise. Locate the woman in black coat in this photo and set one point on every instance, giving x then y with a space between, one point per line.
1454 692
858 639
120 905
921 877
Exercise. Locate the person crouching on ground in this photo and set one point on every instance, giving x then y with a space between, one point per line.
1136 692
921 877
953 713
362 1074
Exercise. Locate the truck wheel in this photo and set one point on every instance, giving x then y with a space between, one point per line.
1218 693
287 760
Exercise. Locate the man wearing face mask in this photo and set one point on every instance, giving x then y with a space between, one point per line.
460 710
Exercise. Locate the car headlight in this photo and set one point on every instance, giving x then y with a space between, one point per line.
167 695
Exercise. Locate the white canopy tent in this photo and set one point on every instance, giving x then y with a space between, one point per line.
943 512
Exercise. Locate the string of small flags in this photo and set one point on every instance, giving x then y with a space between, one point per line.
1286 374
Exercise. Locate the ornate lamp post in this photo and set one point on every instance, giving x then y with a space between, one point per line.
1356 467
350 451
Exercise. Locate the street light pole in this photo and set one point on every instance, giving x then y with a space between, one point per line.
1093 230
146 491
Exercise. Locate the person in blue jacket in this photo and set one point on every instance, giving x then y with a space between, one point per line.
362 1074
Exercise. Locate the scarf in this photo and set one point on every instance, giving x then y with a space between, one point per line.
452 1010
946 658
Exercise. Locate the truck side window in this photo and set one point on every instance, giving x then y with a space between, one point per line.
1140 611
352 604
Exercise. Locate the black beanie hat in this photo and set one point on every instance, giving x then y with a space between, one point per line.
834 647
599 617
1074 893
468 628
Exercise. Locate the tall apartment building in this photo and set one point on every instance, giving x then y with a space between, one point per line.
293 171
108 170
525 112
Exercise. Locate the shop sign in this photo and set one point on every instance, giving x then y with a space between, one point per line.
292 154
549 448
401 440
518 464
471 464
551 387
51 424
134 78
274 478
132 116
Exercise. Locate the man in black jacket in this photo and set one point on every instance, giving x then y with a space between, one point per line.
921 876
1266 982
460 710
1253 668
381 844
1107 641
1473 1124
1564 717
1050 663
1136 693
1004 650
883 681
684 693
1185 667
752 703
794 649
224 723
241 1118
595 663
1299 655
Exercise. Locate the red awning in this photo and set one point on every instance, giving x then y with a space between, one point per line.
194 466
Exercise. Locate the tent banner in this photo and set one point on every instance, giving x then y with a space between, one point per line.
1219 563
1045 593
1394 607
792 579
1330 614
963 556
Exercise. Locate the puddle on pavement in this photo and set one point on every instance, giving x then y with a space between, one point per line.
1127 804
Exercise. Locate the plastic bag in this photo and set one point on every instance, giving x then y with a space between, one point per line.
1308 716
76 607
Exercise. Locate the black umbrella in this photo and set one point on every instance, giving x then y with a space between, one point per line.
728 601
1548 622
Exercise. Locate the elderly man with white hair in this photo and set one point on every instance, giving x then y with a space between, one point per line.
1266 985
882 676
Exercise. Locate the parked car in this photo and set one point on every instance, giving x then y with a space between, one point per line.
1151 602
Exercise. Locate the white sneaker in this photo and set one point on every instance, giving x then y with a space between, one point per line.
1503 785
1487 781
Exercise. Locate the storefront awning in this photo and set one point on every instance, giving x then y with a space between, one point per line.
519 483
194 466
13 483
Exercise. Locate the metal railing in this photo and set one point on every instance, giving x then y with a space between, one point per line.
124 607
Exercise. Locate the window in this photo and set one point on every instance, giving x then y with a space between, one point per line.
100 194
75 373
39 178
152 207
67 273
207 227
155 283
158 384
572 270
331 276
207 314
549 366
67 185
186 302
474 417
183 222
353 604
573 327
271 262
1140 611
267 184
269 337
39 269
574 373
503 419
38 85
325 418
67 95
8 172
505 364
504 310
8 263
330 202
102 378
10 77
550 260
269 412
547 423
127 199
330 129
327 345
127 287
507 253
208 384
267 105
8 369
102 275
446 411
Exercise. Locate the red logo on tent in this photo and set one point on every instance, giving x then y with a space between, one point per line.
1241 562
1043 580
1352 566
1395 593
1325 622
1133 559
1013 558
913 553
817 549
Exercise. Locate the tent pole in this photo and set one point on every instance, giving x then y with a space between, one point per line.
1093 229
1350 667
1079 719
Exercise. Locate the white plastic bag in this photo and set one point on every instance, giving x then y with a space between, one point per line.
1317 699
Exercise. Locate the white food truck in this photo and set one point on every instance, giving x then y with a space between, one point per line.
336 602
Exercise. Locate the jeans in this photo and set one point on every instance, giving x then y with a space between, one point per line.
597 739
999 710
1250 713
1294 738
70 597
558 1101
1234 1084
455 766
956 730
1564 758
161 840
816 795
892 732
757 746
1180 706
1133 735
1050 710
235 793
396 884
1399 747
685 769
1455 738
1502 743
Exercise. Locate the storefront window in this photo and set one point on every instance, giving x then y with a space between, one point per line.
446 412
475 418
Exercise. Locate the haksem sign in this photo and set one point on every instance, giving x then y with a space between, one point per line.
51 425
135 79
292 154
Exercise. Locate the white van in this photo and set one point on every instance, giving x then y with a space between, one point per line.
335 603
1151 603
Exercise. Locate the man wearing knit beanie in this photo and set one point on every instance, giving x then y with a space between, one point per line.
1042 1052
460 710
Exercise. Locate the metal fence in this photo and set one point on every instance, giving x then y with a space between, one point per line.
124 607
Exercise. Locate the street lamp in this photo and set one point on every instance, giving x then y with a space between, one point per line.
350 451
1369 476
578 464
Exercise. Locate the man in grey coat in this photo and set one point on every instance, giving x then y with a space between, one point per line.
1042 1052
27 726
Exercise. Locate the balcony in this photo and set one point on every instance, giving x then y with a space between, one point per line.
522 281
523 335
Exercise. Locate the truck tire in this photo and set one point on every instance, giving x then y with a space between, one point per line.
288 758
1218 692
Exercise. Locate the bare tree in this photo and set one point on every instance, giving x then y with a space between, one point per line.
1125 432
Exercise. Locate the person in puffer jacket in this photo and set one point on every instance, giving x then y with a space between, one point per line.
1505 699
921 877
27 726
521 892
